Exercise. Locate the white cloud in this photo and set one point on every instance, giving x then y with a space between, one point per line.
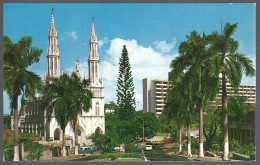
145 63
102 42
72 35
163 46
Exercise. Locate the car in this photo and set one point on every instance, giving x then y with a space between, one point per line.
148 147
119 149
87 149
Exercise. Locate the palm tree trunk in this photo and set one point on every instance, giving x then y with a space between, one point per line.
201 152
189 141
16 138
76 126
180 146
63 144
225 114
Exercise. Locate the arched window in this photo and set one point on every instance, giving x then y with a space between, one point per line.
57 134
97 109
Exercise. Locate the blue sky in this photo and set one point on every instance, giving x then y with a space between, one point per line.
151 32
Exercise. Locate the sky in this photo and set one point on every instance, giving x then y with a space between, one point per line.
151 33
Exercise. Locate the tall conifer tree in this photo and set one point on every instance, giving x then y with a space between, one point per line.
125 88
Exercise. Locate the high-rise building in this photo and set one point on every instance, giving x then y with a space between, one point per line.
155 91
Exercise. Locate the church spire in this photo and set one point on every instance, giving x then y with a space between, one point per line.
93 27
93 57
52 18
53 54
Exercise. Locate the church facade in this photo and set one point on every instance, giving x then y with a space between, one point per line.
33 120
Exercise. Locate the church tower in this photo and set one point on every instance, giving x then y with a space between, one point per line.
96 84
93 58
53 54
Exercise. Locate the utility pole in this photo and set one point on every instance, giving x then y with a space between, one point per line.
143 130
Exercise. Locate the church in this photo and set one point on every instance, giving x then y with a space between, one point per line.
33 120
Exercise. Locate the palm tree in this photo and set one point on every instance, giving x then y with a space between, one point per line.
56 100
81 100
17 79
66 97
193 59
181 107
230 64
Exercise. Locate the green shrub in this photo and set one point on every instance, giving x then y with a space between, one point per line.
27 144
36 151
216 147
10 155
8 142
235 146
131 148
25 134
5 126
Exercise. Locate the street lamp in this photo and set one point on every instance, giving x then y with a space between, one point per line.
143 130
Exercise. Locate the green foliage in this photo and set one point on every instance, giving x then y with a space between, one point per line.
149 122
167 126
216 148
131 148
27 144
66 96
25 134
114 156
6 127
125 88
10 155
195 146
237 108
17 79
235 146
212 122
105 142
36 151
7 143
111 105
8 136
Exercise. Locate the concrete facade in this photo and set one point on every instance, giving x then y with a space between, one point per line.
154 93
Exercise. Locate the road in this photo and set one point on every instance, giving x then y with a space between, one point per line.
158 154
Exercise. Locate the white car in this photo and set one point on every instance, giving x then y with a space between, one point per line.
149 147
119 149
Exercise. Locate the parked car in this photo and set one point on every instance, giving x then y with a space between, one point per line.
119 149
148 147
87 149
167 139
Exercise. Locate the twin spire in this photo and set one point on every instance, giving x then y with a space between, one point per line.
53 52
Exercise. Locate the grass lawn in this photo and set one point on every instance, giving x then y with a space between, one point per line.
128 160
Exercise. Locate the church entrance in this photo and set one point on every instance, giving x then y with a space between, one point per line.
57 134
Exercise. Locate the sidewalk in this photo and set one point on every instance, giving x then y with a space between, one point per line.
67 158
205 158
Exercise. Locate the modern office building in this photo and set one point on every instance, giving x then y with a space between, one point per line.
155 91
